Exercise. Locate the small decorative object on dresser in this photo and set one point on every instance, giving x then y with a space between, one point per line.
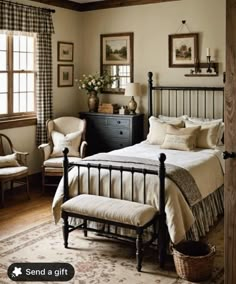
131 90
106 132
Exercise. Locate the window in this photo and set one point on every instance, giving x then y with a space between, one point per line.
17 77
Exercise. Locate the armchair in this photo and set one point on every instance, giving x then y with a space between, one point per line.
13 167
66 131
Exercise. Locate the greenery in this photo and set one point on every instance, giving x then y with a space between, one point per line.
94 82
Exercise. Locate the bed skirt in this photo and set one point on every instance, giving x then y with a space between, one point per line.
206 213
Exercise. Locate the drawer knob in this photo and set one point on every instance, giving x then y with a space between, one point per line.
121 145
118 121
121 132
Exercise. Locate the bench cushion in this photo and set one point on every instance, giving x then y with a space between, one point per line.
105 208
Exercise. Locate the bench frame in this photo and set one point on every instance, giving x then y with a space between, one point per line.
160 218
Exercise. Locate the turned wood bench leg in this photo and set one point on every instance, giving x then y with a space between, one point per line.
139 250
85 228
65 230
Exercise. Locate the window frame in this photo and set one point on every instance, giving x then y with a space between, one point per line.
17 119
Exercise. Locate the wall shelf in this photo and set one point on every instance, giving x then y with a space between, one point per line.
198 72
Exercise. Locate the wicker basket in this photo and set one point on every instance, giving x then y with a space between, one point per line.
194 260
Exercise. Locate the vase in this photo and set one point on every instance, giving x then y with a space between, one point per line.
93 101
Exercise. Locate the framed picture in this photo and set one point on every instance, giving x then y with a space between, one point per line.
117 49
65 51
183 50
65 75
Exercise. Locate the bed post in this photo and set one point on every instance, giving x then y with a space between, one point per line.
65 174
162 232
150 94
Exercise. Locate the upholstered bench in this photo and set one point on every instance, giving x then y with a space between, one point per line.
111 211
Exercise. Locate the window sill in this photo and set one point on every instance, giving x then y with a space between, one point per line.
17 122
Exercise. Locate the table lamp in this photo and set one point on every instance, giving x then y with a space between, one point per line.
131 90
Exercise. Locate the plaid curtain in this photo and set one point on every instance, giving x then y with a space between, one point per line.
18 17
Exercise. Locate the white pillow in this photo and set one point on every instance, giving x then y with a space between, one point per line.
9 161
208 134
71 141
220 133
165 118
157 130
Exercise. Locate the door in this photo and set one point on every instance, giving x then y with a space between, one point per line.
230 144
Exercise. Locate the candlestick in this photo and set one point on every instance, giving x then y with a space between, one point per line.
208 51
209 64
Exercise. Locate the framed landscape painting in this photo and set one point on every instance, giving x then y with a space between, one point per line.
183 50
117 49
65 51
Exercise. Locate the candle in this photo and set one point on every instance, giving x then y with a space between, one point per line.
208 51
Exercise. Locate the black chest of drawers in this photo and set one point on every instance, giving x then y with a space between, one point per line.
107 132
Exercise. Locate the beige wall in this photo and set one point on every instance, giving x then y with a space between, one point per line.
151 25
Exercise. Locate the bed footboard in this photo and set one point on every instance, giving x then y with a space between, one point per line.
159 172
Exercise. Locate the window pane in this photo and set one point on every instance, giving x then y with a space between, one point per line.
23 43
16 61
30 82
30 61
3 60
16 79
30 44
3 42
16 43
3 104
22 82
16 102
23 102
3 84
23 61
30 104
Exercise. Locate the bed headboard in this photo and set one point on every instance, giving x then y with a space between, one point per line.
207 102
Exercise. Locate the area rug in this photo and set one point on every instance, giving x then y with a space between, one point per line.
96 259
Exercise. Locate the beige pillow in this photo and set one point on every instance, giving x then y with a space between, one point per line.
71 141
180 138
8 161
157 130
208 135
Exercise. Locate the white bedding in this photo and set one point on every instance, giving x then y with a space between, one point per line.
205 165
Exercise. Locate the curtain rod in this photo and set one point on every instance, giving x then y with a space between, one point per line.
20 4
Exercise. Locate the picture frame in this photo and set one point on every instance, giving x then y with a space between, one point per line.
117 49
65 75
183 50
65 51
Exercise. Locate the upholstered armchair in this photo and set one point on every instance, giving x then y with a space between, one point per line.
66 131
13 167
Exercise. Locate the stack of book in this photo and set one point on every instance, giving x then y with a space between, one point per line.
108 108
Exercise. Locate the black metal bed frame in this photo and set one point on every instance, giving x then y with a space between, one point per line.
162 228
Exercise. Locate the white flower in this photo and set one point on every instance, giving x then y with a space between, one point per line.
95 88
83 86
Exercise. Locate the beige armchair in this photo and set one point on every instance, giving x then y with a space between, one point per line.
66 131
13 167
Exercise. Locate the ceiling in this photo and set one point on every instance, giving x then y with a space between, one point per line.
88 5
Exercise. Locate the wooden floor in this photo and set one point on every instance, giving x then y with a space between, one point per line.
20 213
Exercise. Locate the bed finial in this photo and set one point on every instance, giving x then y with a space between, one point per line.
150 113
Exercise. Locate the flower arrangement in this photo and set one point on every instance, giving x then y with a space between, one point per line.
94 82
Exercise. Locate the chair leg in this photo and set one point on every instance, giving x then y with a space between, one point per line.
27 187
2 194
43 181
85 228
65 229
139 251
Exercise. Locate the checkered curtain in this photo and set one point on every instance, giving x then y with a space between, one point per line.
18 17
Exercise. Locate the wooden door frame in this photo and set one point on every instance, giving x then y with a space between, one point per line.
230 145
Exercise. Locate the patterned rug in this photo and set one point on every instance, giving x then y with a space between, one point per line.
96 259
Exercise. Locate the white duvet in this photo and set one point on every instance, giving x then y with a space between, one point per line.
205 165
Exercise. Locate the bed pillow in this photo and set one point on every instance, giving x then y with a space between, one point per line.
9 161
208 135
220 133
71 141
157 130
180 138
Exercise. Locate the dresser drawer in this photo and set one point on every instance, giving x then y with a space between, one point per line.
120 133
118 122
117 144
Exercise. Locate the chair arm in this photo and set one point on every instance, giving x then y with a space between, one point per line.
83 149
21 157
46 150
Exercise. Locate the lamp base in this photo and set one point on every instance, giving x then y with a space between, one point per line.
132 105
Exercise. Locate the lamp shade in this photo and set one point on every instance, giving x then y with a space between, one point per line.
133 89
